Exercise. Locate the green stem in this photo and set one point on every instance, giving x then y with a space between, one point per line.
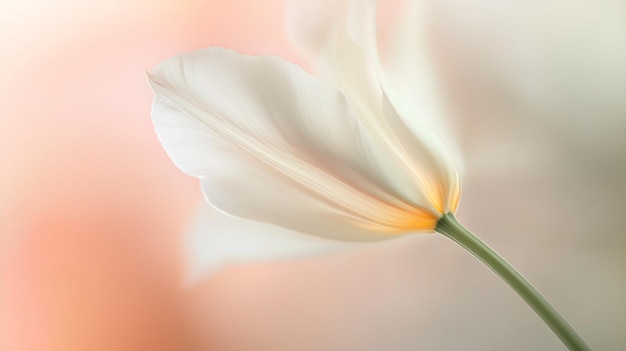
450 227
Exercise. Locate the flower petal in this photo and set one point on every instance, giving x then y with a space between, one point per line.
216 239
412 69
272 143
349 58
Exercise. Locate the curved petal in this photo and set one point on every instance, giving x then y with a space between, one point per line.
349 58
271 143
216 239
412 69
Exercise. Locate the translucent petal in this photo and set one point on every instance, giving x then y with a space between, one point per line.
411 67
217 239
349 58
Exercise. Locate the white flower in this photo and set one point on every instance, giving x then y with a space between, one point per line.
345 156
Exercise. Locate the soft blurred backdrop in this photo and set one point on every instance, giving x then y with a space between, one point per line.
93 215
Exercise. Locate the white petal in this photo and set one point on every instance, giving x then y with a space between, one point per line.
272 143
349 58
216 240
411 67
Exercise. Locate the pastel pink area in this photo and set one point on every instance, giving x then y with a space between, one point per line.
91 208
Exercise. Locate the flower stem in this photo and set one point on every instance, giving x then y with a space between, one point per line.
451 228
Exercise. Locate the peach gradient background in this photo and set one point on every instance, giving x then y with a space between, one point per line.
92 212
91 208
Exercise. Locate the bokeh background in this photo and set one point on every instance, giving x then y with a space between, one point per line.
94 217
